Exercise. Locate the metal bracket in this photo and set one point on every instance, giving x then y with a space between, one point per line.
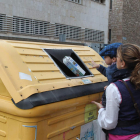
35 126
72 127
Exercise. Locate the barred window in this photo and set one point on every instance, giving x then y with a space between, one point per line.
76 1
26 26
71 32
94 35
2 21
30 26
40 27
22 25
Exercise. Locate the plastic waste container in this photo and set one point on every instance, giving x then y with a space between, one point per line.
40 99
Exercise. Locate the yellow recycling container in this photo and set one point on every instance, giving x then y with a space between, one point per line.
40 98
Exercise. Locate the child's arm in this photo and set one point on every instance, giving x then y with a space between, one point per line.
95 65
100 68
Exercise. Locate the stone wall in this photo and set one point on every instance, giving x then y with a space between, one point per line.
124 21
115 21
131 21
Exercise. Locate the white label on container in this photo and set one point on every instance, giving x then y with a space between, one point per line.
25 76
87 132
86 81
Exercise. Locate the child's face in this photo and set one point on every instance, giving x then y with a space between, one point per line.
109 60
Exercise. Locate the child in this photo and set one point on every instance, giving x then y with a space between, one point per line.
109 53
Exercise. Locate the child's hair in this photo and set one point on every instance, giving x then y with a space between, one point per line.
111 56
110 50
130 54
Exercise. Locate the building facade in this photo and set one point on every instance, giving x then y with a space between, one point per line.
124 21
82 21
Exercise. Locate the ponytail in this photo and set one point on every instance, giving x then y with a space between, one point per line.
130 54
135 76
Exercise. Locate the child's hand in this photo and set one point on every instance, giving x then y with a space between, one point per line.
105 87
95 65
98 104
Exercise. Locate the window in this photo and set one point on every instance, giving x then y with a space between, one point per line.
110 4
75 1
100 1
109 35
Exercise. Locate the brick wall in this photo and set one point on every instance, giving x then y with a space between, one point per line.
124 21
115 21
131 21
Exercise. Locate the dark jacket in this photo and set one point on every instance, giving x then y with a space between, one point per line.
113 74
108 72
127 110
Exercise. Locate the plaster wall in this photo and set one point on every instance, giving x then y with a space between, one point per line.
89 14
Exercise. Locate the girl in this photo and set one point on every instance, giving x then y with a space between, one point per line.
120 118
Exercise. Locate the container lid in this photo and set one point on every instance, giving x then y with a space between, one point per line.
32 78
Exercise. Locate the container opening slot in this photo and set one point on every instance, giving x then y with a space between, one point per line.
58 54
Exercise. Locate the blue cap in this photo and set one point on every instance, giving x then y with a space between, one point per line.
110 50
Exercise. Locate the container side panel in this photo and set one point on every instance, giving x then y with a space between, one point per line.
3 90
